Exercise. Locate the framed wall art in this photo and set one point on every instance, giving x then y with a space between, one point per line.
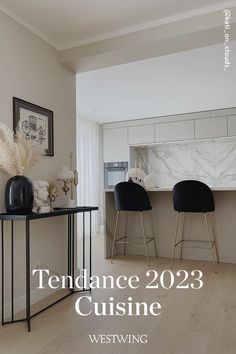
35 122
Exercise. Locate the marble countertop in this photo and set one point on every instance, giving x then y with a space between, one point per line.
168 189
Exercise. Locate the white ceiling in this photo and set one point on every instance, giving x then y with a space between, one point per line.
67 23
189 81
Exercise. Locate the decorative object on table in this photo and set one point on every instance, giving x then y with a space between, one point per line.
45 209
41 196
136 175
72 201
52 193
19 195
150 181
65 175
17 155
36 123
69 177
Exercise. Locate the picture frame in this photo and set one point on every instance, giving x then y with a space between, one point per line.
35 122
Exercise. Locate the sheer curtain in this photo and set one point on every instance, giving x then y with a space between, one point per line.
88 155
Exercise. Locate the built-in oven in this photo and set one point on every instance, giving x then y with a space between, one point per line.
114 172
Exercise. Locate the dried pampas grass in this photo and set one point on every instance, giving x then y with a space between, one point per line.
16 153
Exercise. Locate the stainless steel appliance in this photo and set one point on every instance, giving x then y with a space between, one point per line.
114 172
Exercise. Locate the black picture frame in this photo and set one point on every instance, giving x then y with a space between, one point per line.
35 122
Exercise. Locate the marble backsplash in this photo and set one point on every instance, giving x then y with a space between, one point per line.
211 162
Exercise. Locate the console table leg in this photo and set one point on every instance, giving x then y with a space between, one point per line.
27 234
72 252
90 248
12 270
69 250
83 247
2 272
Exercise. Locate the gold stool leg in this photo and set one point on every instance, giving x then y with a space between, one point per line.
155 245
115 232
126 230
176 233
210 241
214 238
144 238
154 233
181 249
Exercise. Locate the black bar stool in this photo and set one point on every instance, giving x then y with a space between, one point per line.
194 197
130 196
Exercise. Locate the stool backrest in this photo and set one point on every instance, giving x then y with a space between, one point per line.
131 196
193 197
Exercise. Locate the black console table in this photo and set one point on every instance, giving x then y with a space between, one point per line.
70 212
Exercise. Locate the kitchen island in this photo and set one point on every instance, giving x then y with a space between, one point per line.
164 220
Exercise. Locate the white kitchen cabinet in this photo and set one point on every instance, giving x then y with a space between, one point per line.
173 131
115 144
211 128
232 125
141 134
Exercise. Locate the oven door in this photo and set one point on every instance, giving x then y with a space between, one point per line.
114 173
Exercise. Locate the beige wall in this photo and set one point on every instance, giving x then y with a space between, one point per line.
29 69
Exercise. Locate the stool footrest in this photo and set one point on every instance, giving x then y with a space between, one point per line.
121 238
136 240
202 244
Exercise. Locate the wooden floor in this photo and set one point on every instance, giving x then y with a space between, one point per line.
192 322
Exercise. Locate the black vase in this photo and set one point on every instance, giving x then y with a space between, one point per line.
19 195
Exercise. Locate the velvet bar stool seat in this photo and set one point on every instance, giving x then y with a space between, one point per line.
131 197
195 197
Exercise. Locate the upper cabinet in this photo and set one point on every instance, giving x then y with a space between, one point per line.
232 125
172 131
192 126
211 128
115 145
141 134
